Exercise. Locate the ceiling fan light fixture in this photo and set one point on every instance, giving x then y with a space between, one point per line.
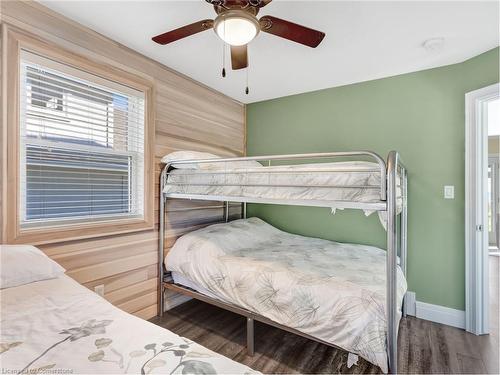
236 28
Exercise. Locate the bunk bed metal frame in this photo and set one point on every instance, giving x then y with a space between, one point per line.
390 172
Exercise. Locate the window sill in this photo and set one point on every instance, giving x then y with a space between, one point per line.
79 231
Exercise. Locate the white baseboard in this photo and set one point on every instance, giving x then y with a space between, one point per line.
410 303
434 313
441 314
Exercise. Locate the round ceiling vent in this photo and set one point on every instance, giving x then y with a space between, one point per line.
433 44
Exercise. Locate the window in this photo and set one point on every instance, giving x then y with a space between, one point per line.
81 146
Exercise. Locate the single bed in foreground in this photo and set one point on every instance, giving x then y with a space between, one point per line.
59 326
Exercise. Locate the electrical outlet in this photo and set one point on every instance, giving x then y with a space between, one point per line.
99 289
449 192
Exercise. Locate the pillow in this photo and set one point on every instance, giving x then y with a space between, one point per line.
24 264
193 155
188 155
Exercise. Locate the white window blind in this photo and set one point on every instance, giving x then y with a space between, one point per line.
81 144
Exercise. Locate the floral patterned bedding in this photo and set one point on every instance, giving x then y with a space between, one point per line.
58 326
329 290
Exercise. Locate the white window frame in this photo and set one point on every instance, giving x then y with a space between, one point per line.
136 157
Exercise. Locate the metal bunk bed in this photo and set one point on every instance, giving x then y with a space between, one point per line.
393 178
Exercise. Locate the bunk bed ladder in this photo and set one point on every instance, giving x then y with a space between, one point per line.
396 237
161 245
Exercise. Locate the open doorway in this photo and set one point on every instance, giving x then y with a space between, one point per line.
493 125
482 209
493 191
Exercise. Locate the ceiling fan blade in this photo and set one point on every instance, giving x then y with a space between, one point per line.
263 3
184 31
258 3
239 57
291 31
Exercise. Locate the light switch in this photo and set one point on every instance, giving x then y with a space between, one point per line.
449 192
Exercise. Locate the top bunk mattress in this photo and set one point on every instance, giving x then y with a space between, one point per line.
58 326
329 290
355 181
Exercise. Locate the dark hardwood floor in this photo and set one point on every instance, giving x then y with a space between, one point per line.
424 347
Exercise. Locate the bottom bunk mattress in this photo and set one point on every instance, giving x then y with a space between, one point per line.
329 290
58 326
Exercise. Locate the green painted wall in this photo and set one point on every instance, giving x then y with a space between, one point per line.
419 114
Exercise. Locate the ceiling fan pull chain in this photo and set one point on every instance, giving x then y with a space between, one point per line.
247 91
224 54
223 60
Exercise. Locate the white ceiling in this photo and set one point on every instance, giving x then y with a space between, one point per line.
364 40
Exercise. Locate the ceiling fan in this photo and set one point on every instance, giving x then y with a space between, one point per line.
237 25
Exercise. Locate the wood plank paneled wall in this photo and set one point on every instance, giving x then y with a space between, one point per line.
188 116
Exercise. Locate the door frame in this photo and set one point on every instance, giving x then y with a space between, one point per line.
494 161
476 214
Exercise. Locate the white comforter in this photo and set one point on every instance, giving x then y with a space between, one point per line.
58 326
320 179
354 181
332 291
